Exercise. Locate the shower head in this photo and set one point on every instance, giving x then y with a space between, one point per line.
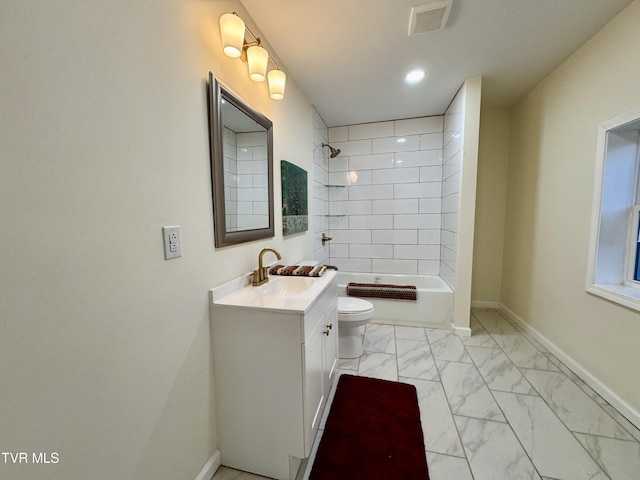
334 151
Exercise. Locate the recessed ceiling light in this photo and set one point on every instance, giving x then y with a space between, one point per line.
414 76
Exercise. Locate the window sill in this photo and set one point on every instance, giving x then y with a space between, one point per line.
621 294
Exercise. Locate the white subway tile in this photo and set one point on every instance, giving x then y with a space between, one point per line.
259 153
396 175
452 166
448 256
431 141
321 223
355 147
420 221
395 237
320 175
450 204
338 134
428 267
251 139
244 154
339 223
396 144
430 205
448 275
450 222
419 158
338 193
429 237
360 222
409 267
370 162
252 167
357 250
339 164
244 208
413 126
405 205
431 174
351 236
370 192
252 194
338 249
424 252
363 177
260 180
355 207
451 186
417 190
453 147
362 265
370 130
449 239
261 208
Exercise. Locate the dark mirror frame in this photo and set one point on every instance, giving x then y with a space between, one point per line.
223 238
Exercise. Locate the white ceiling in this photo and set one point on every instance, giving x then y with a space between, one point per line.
350 57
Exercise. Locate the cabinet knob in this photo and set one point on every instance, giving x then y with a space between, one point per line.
326 332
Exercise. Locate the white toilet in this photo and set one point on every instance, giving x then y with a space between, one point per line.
353 313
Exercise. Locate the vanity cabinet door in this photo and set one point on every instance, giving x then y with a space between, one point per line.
314 385
330 344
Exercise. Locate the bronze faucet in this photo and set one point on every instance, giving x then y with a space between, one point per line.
261 275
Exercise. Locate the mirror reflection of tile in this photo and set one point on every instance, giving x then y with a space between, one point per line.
295 217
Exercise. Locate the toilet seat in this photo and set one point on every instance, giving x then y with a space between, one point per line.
354 309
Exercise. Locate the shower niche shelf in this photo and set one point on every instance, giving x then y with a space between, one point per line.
335 186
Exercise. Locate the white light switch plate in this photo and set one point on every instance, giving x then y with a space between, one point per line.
172 242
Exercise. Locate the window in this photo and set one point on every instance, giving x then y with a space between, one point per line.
614 263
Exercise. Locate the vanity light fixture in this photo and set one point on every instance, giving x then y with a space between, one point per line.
232 31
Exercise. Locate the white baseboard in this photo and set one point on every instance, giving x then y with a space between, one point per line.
464 332
484 304
603 390
209 469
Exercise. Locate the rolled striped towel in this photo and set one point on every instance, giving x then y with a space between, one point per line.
381 290
299 270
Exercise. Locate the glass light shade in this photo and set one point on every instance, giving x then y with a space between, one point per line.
232 32
277 80
257 57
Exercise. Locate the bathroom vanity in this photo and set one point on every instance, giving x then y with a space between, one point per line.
274 358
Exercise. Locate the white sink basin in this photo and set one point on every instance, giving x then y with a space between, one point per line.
280 293
284 286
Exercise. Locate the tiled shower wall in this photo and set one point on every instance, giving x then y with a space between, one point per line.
320 190
384 192
245 172
452 160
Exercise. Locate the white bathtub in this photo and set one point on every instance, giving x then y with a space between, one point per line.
433 307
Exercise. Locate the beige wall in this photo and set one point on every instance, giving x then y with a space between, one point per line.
105 346
493 167
548 218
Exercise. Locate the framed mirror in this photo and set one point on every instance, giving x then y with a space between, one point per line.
241 141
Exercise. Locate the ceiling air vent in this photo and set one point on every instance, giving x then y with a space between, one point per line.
429 17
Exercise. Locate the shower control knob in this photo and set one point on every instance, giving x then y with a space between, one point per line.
330 326
325 239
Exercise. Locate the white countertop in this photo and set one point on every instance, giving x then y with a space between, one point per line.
239 293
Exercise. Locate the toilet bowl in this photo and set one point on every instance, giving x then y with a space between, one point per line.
353 313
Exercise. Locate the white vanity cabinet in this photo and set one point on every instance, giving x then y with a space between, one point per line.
273 367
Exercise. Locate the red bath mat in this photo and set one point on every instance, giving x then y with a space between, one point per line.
373 432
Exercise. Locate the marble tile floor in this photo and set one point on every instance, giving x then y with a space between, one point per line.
495 406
